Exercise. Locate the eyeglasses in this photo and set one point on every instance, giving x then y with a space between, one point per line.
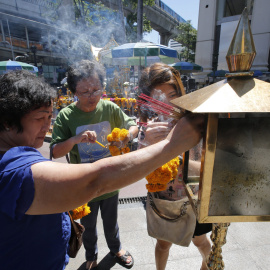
89 94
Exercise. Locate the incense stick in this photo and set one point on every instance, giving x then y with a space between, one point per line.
155 101
159 107
100 144
142 123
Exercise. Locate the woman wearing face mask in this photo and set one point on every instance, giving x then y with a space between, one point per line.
163 82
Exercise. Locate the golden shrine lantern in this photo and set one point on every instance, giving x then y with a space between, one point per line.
234 180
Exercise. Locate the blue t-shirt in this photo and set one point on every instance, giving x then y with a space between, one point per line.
28 241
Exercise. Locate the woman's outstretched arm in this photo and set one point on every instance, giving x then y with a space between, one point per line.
61 187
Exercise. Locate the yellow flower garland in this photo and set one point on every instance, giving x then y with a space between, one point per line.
80 211
158 179
118 135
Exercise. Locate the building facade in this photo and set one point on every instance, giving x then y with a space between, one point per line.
175 45
217 22
31 32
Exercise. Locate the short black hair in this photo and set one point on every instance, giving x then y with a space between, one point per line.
20 93
84 70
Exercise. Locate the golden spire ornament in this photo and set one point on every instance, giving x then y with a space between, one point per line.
242 51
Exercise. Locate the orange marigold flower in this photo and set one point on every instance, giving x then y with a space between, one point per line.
110 138
152 178
158 179
123 134
155 187
125 150
80 211
114 150
118 135
151 187
115 134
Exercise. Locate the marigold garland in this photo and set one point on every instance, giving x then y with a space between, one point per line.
118 135
124 102
114 150
159 178
80 211
123 134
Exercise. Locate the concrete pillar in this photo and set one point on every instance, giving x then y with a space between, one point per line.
260 27
140 20
27 38
2 31
206 34
164 38
123 30
66 11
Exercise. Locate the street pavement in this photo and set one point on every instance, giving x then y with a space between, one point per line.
247 246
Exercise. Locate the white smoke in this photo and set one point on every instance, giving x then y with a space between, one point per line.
72 35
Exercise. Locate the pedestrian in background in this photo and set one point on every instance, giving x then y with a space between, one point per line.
92 118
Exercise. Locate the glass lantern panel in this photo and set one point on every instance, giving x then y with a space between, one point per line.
241 174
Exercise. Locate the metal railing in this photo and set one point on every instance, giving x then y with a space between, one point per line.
171 12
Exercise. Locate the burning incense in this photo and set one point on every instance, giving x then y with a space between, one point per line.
158 107
142 123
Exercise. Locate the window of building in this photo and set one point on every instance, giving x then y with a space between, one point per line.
236 7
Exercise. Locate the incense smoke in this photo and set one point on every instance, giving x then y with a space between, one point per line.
74 30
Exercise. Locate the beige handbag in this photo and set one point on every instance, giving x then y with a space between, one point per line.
171 221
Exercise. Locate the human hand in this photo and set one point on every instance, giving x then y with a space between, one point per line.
85 136
120 144
187 132
155 132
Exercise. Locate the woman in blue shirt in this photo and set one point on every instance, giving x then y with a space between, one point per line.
35 193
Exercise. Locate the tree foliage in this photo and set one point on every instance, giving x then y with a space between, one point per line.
102 22
94 12
134 3
188 39
91 12
131 26
90 21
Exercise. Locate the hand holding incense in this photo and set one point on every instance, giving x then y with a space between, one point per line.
100 144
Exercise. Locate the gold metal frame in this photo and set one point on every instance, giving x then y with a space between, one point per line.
209 149
201 208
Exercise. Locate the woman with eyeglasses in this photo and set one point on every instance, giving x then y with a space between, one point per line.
75 130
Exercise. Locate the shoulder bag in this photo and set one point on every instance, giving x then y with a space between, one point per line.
75 240
171 221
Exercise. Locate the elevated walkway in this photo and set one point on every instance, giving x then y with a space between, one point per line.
162 18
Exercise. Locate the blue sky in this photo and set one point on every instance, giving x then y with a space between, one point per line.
187 9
